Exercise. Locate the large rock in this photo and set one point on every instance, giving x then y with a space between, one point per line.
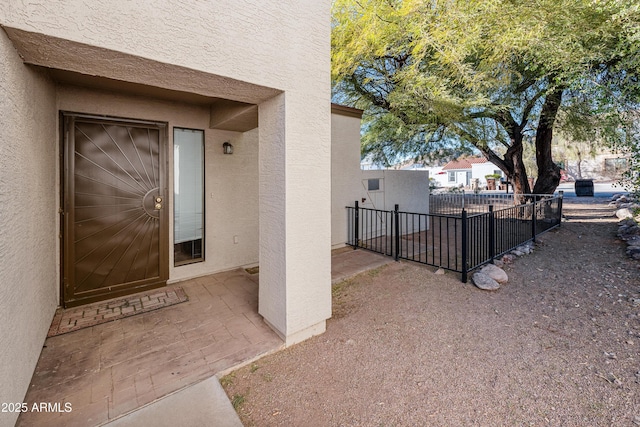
527 248
628 232
629 222
624 213
495 272
633 241
485 282
633 252
622 199
508 258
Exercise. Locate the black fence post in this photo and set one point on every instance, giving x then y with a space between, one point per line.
464 247
396 219
561 195
534 218
492 233
356 227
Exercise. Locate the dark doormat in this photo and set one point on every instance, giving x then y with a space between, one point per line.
85 316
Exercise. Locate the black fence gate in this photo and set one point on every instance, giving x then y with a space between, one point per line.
458 240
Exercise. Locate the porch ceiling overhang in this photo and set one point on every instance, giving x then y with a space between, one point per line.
233 103
343 110
233 115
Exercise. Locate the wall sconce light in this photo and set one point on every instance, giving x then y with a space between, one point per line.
227 148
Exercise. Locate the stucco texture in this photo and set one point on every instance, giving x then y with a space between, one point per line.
272 54
407 188
345 172
28 215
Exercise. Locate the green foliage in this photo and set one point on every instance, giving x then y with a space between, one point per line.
631 178
237 401
443 78
629 146
228 380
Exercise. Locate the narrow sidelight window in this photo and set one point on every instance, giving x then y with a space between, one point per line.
188 196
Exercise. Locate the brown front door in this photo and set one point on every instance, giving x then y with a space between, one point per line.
115 229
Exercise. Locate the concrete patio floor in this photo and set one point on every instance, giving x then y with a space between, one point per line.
112 369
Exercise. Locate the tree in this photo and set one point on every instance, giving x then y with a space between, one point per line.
440 77
629 145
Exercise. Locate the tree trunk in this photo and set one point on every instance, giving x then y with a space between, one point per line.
579 170
548 171
518 173
512 164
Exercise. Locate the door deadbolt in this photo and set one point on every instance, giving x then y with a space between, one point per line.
158 199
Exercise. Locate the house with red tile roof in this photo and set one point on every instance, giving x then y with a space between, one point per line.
463 172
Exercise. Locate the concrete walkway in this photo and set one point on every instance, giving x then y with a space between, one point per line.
205 403
162 367
202 404
346 263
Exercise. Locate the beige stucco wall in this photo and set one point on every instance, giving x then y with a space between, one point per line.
247 40
345 172
273 54
409 189
28 216
295 256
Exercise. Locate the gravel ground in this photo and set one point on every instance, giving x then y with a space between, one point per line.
558 345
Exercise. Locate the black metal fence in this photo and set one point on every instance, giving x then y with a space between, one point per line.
454 203
456 242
